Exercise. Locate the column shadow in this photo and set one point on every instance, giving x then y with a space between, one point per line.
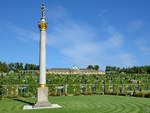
26 102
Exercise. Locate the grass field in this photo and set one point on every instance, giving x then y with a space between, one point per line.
81 104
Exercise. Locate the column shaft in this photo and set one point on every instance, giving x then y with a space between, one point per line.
42 80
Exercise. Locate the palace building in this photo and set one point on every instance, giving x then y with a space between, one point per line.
74 70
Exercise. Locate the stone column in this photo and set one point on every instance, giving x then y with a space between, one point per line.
42 99
42 79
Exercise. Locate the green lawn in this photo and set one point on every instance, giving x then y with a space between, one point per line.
82 104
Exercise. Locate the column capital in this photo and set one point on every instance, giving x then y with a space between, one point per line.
43 26
42 85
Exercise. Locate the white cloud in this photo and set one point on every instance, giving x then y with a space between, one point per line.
127 60
143 46
23 34
58 14
136 25
115 39
78 42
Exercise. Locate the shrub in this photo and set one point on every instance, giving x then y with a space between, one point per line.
129 93
89 93
1 92
9 97
122 94
85 93
113 93
115 88
138 94
52 89
77 94
77 89
94 93
66 94
88 89
146 94
59 94
70 89
52 94
10 91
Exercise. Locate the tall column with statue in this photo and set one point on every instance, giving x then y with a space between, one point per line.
42 93
42 97
43 27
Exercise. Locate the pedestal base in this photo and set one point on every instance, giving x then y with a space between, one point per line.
52 106
42 101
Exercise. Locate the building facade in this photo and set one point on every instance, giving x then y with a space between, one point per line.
69 71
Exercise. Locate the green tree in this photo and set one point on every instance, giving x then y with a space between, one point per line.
96 67
90 67
3 67
11 67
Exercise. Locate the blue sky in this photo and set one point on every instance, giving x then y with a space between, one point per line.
80 32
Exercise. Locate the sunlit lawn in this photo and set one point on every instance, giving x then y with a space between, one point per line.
82 104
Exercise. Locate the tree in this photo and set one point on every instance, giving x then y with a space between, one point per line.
96 67
90 67
31 67
27 67
107 69
21 66
11 67
3 67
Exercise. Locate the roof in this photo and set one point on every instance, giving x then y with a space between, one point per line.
82 69
59 69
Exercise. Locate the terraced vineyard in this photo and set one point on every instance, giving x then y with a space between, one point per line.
82 104
109 84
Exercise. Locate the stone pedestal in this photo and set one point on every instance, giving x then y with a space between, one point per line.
42 100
